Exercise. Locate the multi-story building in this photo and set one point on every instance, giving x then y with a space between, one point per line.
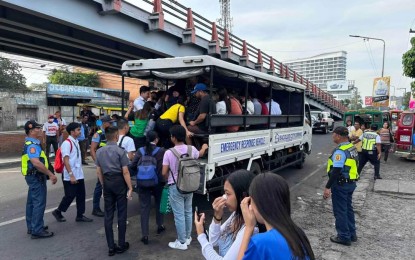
321 68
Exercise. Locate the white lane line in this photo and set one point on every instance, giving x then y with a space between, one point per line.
306 178
23 218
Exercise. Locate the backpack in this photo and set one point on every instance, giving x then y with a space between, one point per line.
147 169
59 165
188 174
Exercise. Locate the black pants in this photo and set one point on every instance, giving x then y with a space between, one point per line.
84 147
115 196
385 149
51 140
163 129
73 191
372 158
144 195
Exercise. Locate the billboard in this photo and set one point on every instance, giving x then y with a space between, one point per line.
368 101
337 85
381 92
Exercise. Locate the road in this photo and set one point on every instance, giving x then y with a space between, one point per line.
75 240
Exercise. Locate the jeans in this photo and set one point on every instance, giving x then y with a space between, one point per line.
97 196
36 202
181 204
343 210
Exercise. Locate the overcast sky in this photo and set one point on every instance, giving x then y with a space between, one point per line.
302 28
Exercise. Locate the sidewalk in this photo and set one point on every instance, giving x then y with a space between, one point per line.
385 216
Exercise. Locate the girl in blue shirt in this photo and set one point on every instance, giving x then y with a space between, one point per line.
269 204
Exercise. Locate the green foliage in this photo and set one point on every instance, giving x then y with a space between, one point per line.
66 77
11 76
405 99
408 62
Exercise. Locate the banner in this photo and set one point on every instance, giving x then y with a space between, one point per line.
381 92
368 101
337 85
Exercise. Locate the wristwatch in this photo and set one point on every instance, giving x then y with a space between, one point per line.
70 173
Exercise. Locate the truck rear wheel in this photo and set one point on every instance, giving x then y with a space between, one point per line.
255 168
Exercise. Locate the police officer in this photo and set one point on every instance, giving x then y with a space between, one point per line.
35 168
342 171
371 150
112 168
99 140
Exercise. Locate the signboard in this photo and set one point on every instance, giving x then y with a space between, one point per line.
381 92
337 85
69 91
368 101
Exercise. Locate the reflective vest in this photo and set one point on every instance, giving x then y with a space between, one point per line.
102 139
369 141
349 170
27 166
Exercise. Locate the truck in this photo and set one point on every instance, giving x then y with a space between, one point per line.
322 121
264 142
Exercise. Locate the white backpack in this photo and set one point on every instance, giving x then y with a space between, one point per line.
188 176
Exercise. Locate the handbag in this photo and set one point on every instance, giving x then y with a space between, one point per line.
165 207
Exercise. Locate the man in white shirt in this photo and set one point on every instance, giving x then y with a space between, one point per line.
275 108
125 142
61 123
144 95
50 135
250 108
73 176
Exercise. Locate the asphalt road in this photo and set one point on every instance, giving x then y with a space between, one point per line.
75 240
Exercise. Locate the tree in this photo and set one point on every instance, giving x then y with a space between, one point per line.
11 76
408 62
356 101
38 86
66 77
345 102
405 99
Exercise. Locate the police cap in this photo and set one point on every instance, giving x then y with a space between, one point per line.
341 130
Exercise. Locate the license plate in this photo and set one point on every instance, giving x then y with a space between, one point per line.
405 138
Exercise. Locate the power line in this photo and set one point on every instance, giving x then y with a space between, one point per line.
370 58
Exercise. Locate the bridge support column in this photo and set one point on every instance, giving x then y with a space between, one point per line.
214 48
111 7
225 51
189 34
258 65
244 59
157 17
271 70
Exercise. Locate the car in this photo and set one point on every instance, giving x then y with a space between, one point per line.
322 121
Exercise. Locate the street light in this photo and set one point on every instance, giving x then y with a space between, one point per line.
377 39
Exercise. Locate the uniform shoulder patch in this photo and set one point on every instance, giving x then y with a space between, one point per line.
338 157
32 150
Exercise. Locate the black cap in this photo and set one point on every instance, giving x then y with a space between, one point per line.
341 130
31 124
107 118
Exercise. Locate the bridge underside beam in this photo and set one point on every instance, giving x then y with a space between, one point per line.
319 106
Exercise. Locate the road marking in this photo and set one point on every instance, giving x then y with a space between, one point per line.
306 178
23 218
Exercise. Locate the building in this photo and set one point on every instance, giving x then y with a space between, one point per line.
321 68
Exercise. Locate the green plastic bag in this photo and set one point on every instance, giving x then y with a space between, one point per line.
165 207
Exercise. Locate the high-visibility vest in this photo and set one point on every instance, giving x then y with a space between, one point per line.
27 166
369 141
102 139
349 170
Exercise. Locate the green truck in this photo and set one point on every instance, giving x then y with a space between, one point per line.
367 117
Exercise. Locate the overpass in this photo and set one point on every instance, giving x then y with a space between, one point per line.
102 34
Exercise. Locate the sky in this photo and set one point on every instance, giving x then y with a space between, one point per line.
295 29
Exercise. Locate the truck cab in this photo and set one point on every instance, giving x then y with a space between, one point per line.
405 139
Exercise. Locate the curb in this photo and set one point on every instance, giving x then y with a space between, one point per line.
10 164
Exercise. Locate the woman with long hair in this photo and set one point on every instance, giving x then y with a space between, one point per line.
386 138
144 193
141 121
269 204
223 106
226 235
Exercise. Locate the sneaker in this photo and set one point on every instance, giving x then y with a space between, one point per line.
188 241
98 213
177 245
161 229
58 215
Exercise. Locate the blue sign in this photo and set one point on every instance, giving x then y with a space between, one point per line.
73 91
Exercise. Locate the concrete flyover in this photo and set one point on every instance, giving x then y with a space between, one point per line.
102 34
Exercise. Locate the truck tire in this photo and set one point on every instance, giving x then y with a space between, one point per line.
332 127
255 168
300 164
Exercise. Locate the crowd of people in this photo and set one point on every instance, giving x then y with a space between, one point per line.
162 130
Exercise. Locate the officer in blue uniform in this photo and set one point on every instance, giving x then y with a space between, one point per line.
342 171
35 168
98 141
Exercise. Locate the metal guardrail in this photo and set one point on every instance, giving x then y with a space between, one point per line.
178 12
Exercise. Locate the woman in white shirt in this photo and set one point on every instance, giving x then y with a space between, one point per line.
224 105
226 235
